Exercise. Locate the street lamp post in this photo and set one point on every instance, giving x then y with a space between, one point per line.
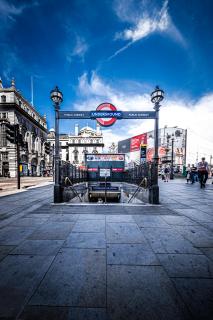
57 97
156 97
172 160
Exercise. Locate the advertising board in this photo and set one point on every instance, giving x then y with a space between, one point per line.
105 157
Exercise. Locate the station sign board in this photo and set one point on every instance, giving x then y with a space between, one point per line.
106 114
104 172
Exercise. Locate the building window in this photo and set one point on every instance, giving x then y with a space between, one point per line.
75 155
4 156
3 99
3 139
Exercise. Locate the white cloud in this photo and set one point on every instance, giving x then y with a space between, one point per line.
196 116
9 10
149 22
79 49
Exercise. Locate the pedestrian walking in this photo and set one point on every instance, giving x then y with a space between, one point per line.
193 174
188 172
203 172
166 174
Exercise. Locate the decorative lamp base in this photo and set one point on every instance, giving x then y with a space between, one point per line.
154 194
57 194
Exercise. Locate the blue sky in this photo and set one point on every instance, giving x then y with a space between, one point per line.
111 50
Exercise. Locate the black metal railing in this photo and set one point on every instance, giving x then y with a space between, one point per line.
75 175
143 173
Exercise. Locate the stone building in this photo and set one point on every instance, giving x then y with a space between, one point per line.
15 109
73 147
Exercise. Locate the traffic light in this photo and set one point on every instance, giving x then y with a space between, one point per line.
10 132
47 147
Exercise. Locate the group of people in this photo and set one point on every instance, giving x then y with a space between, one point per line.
199 173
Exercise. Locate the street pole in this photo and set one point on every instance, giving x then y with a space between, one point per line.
155 187
18 156
18 164
57 97
172 161
57 191
156 97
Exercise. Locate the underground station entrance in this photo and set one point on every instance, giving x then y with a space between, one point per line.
105 179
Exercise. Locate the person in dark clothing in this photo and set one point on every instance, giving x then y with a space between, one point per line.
193 173
203 172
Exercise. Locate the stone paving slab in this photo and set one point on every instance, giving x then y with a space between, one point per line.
64 217
76 278
11 235
131 254
208 252
133 293
187 265
62 313
165 240
21 275
91 216
28 222
86 240
89 226
196 215
199 236
179 220
123 232
151 221
197 295
4 251
119 218
39 247
208 225
52 231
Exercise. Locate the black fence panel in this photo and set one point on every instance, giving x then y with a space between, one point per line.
74 174
141 174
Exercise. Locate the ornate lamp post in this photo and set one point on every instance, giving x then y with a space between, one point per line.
57 97
156 97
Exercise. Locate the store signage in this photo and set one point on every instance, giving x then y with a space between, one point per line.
105 157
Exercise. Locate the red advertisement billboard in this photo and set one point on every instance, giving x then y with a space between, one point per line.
137 141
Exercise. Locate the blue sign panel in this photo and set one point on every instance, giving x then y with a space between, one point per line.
107 114
74 114
139 114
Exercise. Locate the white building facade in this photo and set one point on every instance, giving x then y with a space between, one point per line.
15 109
73 147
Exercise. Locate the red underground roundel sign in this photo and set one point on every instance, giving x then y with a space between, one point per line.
106 122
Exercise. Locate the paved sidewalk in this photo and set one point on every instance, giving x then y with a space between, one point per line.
9 185
101 262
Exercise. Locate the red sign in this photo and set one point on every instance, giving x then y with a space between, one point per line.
106 122
137 141
117 169
93 169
